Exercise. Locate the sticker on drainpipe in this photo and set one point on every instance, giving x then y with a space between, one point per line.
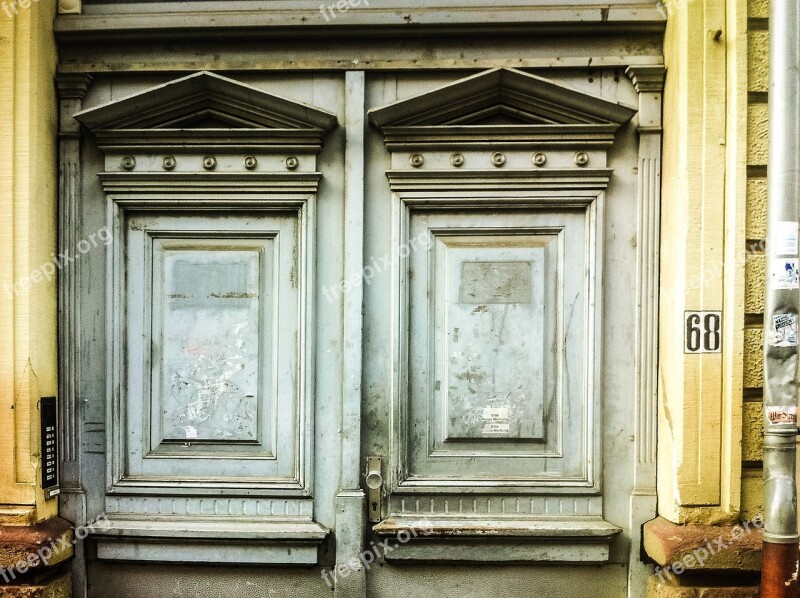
784 330
786 238
777 414
784 273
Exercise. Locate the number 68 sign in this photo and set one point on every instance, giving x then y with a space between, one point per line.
703 332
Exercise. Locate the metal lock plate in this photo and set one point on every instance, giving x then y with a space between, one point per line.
374 479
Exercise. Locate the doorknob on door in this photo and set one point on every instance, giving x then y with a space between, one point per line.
374 479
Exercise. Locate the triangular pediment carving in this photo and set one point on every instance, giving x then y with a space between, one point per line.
527 98
209 118
204 95
206 107
496 105
501 114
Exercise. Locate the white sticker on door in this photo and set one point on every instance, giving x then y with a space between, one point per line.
495 420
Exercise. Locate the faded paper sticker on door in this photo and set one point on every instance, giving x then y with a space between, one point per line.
784 330
785 274
782 415
495 420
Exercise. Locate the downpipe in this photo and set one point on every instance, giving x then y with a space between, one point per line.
779 569
780 565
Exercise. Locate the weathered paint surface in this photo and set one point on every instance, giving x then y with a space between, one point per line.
211 345
28 359
496 346
504 333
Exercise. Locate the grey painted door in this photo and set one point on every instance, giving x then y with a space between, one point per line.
431 280
485 393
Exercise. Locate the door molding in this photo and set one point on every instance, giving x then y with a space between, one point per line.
187 164
497 143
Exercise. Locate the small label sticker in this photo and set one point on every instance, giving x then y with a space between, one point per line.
784 331
191 432
495 420
785 274
782 415
496 428
786 238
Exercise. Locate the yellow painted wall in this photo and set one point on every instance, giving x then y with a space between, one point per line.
28 179
757 126
738 253
704 225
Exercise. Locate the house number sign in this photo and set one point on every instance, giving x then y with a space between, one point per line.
703 332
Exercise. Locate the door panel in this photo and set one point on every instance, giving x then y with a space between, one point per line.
489 345
490 373
206 421
213 303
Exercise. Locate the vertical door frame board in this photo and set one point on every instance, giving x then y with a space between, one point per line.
351 502
649 84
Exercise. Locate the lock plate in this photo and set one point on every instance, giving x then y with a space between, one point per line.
374 481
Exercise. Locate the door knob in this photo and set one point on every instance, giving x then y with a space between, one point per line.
374 479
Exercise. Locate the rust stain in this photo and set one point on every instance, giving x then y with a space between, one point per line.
233 295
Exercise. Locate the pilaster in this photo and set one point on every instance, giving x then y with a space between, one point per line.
700 391
72 89
27 275
649 84
351 502
33 540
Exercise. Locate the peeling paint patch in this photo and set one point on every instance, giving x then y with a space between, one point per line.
495 282
495 384
211 342
793 578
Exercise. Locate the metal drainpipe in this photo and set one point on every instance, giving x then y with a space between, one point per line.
780 551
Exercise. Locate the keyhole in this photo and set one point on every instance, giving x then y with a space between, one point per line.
374 506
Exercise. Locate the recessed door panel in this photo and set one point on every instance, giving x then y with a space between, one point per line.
494 339
195 427
213 309
499 351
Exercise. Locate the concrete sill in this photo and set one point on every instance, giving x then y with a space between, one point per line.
725 548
